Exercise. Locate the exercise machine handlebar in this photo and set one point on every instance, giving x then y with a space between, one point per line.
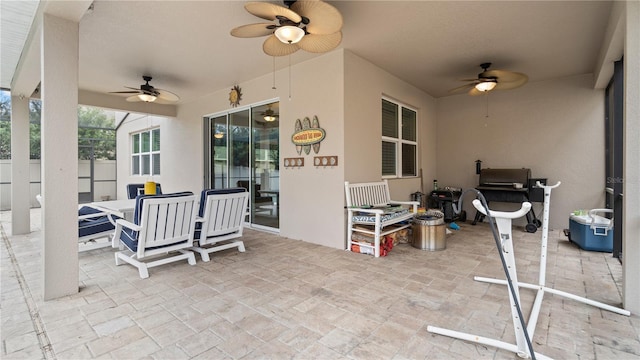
526 206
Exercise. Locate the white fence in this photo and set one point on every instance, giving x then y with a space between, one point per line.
104 180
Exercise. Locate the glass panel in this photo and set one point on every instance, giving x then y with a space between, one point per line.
156 164
146 164
146 145
388 158
219 135
408 160
135 165
156 140
135 144
408 124
239 173
389 119
265 165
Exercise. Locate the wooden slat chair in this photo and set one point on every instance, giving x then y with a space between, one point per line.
365 203
134 190
220 220
163 224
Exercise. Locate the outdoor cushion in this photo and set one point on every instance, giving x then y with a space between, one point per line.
369 218
93 225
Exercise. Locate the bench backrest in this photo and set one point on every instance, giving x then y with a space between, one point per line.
372 193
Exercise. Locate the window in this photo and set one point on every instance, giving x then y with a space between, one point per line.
145 153
399 140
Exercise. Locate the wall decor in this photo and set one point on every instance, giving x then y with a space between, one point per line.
293 162
235 95
325 161
308 134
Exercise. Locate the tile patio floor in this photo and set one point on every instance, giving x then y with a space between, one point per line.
288 299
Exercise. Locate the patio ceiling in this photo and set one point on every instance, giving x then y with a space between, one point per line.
187 48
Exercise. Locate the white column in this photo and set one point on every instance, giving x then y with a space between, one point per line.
631 172
20 194
59 89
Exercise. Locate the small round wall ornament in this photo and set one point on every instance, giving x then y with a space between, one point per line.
235 95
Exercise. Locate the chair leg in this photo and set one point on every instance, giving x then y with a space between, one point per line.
204 252
144 272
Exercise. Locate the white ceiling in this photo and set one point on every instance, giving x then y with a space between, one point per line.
187 48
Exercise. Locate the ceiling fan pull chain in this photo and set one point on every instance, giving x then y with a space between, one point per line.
274 73
486 96
289 77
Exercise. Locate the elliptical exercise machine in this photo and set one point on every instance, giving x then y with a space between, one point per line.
504 242
541 287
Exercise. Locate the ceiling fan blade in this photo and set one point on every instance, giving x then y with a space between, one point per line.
159 100
274 47
252 30
269 11
510 85
323 18
320 43
166 95
126 92
505 76
462 88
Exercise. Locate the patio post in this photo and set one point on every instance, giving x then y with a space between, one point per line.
631 175
20 192
59 148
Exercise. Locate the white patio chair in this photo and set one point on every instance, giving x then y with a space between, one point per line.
220 220
93 226
163 225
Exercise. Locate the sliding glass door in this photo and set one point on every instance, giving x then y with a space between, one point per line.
242 150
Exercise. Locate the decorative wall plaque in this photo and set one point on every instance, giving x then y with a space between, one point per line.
308 134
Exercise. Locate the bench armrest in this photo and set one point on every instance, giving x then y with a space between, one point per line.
414 204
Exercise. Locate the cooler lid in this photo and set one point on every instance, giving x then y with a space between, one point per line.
586 220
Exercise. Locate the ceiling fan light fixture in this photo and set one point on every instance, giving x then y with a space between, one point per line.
269 118
289 34
486 85
147 97
218 135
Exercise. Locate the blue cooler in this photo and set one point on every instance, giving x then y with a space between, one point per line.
592 232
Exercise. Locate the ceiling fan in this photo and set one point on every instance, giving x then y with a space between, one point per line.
269 115
489 80
312 26
148 93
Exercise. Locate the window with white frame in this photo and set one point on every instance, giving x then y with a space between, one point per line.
145 152
399 140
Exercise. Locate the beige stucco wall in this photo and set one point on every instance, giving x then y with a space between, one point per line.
555 127
311 198
365 84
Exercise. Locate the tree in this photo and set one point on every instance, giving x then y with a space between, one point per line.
95 130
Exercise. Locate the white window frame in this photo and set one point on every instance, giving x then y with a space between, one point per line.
140 154
399 141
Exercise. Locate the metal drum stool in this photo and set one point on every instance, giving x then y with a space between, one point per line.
429 231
